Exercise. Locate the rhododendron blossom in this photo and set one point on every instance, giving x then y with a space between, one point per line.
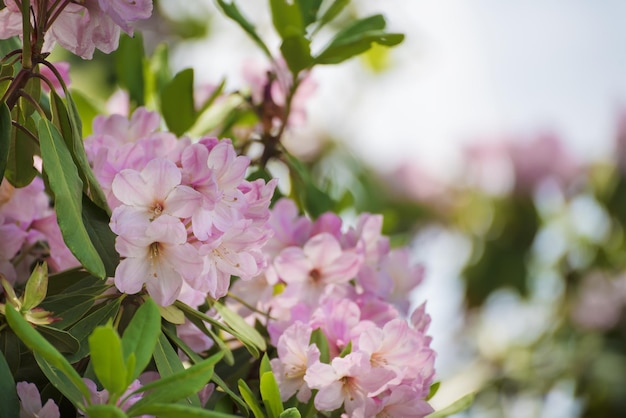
30 403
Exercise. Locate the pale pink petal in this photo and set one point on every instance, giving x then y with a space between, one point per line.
292 265
131 274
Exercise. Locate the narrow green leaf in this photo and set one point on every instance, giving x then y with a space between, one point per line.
290 413
60 339
9 402
141 336
319 339
83 328
177 105
70 316
177 386
166 359
346 350
67 189
87 109
5 137
243 330
163 410
265 365
231 10
129 67
105 411
11 346
349 48
271 395
456 407
68 122
331 13
309 10
39 345
250 399
60 381
107 359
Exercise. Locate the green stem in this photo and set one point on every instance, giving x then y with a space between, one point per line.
27 59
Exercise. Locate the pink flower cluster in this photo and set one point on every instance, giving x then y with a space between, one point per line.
185 216
29 231
352 287
79 26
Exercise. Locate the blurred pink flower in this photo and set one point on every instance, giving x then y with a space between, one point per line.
30 403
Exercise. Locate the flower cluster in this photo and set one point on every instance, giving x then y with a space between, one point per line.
78 26
30 233
353 288
185 216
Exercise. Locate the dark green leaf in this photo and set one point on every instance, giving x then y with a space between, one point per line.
10 345
105 411
5 137
231 10
356 39
177 105
67 186
129 67
177 386
69 316
163 410
9 402
61 340
39 345
287 18
68 122
306 192
107 358
250 399
96 222
308 10
141 335
83 328
87 110
297 53
60 381
331 13
166 359
20 170
271 395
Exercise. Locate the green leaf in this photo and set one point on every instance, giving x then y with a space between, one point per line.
271 395
319 339
60 339
164 410
166 359
297 53
36 287
69 124
248 396
356 39
433 390
177 105
456 407
40 346
309 10
346 350
331 13
129 67
105 411
96 222
290 413
67 189
60 381
20 170
157 74
9 402
83 328
265 365
11 346
242 330
87 109
306 192
141 336
108 360
287 18
5 137
73 314
177 386
231 10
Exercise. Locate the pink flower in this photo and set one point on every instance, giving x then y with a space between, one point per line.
320 262
30 403
347 381
157 255
295 355
401 402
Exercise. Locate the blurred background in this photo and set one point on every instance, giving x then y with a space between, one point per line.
494 142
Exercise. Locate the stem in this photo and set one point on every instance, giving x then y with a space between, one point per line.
56 73
32 101
9 55
27 61
28 133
